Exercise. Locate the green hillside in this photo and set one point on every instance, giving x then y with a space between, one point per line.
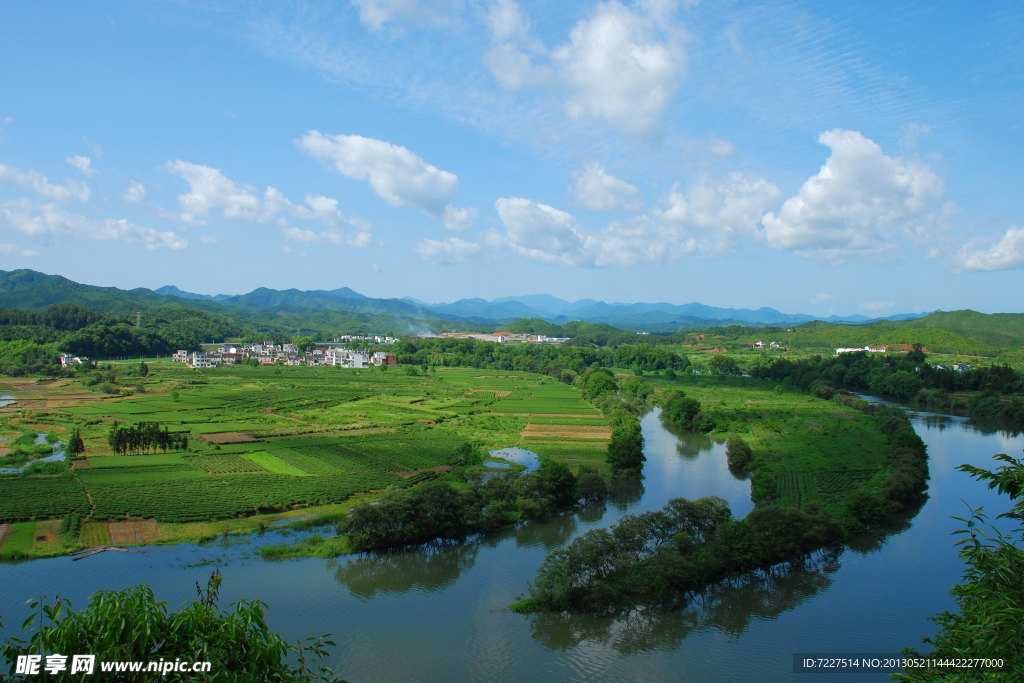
999 330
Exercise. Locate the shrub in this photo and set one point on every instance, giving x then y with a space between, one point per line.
738 452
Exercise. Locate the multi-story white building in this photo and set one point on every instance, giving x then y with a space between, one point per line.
181 356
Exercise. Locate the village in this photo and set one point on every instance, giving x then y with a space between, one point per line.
269 353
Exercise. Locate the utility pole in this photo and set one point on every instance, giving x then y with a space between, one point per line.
138 319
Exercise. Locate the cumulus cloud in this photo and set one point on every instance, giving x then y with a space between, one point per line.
598 190
513 48
451 250
618 70
822 298
38 183
342 231
1006 254
136 193
459 220
398 176
861 204
210 189
49 221
707 220
542 233
715 214
83 164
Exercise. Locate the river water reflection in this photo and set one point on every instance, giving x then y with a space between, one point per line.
440 615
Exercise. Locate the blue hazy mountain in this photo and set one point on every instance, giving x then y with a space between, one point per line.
32 290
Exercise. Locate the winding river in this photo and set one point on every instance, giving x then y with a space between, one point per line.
440 615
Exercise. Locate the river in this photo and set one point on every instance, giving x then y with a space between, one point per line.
440 615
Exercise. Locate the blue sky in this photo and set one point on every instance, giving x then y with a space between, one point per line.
803 156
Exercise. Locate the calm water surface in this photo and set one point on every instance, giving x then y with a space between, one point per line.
440 616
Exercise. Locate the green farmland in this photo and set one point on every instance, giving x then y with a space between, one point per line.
266 442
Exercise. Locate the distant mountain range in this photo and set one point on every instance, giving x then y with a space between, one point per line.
33 290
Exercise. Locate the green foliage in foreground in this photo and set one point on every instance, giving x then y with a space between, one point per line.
131 625
990 622
657 557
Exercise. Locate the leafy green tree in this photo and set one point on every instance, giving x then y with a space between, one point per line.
738 452
143 369
76 446
722 364
598 384
131 625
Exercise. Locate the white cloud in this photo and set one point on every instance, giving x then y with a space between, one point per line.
617 69
861 204
15 249
398 176
717 214
83 164
49 221
721 147
451 250
94 146
876 306
459 220
513 49
31 180
414 13
375 267
822 298
210 189
539 232
598 190
136 193
1006 254
707 221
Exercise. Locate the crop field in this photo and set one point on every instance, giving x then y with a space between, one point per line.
322 436
795 488
95 533
18 540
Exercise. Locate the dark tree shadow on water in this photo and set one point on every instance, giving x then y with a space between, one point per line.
427 569
726 608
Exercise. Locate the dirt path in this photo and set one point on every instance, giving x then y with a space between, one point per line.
4 530
92 505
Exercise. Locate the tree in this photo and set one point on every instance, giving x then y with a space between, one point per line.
75 444
722 364
738 452
130 625
143 369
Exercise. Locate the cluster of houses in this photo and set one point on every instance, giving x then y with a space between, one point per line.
373 339
866 349
959 367
67 360
761 345
285 354
505 337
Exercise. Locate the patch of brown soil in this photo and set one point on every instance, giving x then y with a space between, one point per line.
82 464
406 475
842 415
567 431
134 531
230 437
582 417
4 530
